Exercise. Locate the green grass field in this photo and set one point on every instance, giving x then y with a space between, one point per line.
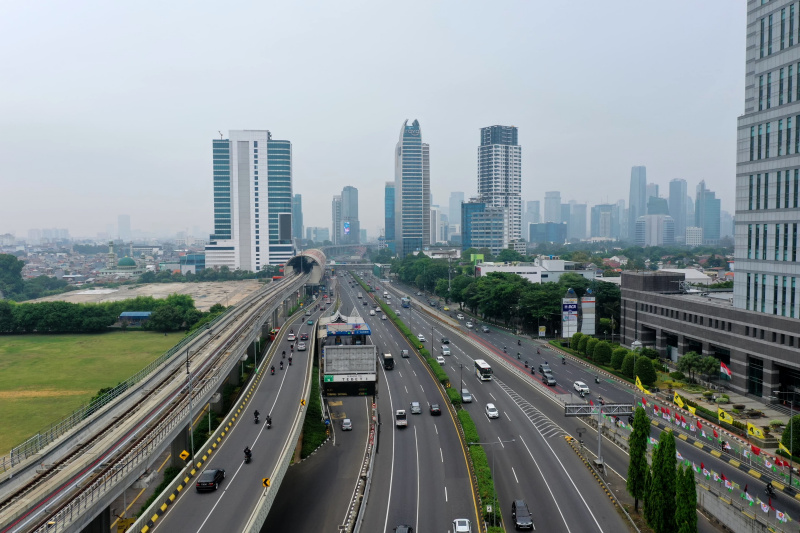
43 378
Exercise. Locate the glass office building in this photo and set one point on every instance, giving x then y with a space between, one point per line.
412 191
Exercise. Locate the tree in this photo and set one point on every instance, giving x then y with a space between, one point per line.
575 340
709 366
628 364
648 503
689 363
602 353
582 344
637 467
662 486
793 430
645 371
165 318
617 357
649 352
10 276
686 501
590 346
508 255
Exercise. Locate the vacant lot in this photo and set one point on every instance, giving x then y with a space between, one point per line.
43 378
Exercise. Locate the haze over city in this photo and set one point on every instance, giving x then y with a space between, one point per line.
111 108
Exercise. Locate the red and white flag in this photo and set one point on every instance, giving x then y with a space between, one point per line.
724 369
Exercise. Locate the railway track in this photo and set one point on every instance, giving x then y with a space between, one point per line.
57 495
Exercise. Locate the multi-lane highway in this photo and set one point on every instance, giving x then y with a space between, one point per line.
420 475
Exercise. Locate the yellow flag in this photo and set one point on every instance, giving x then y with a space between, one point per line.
724 417
641 388
678 400
754 431
691 409
784 448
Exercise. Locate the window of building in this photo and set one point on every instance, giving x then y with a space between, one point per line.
786 179
780 137
789 99
758 191
769 92
769 38
783 28
766 190
774 299
792 291
783 298
760 133
762 37
750 190
778 191
755 376
777 242
763 297
766 140
749 241
785 241
729 326
796 183
764 243
761 91
755 293
791 26
780 88
747 331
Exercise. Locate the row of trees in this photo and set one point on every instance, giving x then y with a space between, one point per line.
630 363
174 313
667 489
209 274
13 287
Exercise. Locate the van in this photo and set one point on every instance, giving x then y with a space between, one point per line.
520 515
400 419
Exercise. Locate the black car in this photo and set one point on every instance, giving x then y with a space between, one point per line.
210 479
435 411
545 369
445 340
521 515
304 336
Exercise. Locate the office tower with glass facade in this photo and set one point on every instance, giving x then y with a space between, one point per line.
388 218
552 206
252 176
677 207
605 221
637 201
351 227
500 173
336 219
707 209
412 191
576 229
297 216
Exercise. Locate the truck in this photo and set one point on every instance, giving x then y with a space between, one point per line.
400 419
385 294
388 361
359 295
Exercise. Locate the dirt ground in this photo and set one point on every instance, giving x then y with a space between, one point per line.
204 294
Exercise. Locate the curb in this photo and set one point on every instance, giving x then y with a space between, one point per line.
571 441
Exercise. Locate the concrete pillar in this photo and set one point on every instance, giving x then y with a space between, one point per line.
707 349
769 379
179 445
683 346
234 378
661 343
101 523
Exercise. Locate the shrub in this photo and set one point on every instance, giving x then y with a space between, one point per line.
576 340
602 353
582 344
721 399
677 376
645 371
454 395
707 393
775 423
726 396
617 358
627 364
735 411
591 344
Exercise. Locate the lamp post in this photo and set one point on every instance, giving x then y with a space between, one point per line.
494 491
791 431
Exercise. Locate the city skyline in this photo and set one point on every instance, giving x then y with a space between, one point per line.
73 103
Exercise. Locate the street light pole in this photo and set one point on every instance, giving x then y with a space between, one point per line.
494 490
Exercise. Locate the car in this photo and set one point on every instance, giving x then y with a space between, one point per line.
301 347
364 302
548 380
347 425
580 386
445 349
460 316
403 529
384 317
397 312
491 411
521 515
421 337
371 312
445 340
419 293
433 303
304 336
440 360
415 408
404 354
291 337
466 397
469 325
485 329
544 368
435 411
308 312
445 308
462 525
310 322
210 479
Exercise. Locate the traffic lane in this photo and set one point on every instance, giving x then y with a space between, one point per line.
319 489
230 506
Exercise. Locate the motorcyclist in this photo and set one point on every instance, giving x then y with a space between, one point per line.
272 369
519 342
504 349
291 330
538 351
597 379
256 414
269 419
290 361
247 452
770 488
563 360
518 354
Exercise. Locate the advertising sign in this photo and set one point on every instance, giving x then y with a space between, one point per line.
336 378
569 316
542 331
347 228
588 324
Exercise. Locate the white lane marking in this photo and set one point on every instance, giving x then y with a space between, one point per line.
515 474
546 483
492 395
416 446
358 467
509 418
391 474
405 388
445 493
501 442
441 454
436 428
415 374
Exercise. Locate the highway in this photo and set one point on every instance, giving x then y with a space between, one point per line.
531 390
229 507
420 475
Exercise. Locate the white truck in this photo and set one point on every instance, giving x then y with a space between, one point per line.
359 295
400 419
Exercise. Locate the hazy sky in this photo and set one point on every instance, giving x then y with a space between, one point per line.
110 107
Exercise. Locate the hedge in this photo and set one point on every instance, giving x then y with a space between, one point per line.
480 463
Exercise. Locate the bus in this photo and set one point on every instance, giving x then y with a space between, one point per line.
405 301
483 370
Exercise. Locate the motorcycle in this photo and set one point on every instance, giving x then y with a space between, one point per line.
526 363
255 418
272 370
247 455
600 400
596 379
563 361
281 365
290 361
269 422
518 354
519 342
770 491
582 394
284 355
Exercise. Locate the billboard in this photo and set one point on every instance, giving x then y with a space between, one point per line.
569 316
588 324
346 228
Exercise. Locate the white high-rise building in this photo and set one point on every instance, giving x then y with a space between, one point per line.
500 174
336 219
252 201
637 201
412 191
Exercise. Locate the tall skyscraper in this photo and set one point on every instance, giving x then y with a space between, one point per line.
637 202
677 207
351 227
576 229
412 190
297 216
533 213
552 206
124 227
707 214
605 221
336 219
252 217
651 191
454 209
388 209
500 173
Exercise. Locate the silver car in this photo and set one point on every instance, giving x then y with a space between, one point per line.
415 408
347 425
466 397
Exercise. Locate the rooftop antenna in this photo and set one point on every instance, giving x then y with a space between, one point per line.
221 136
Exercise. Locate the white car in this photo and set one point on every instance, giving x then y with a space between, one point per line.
460 316
421 337
462 525
291 337
491 411
371 312
301 347
440 360
470 325
580 386
383 317
445 349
